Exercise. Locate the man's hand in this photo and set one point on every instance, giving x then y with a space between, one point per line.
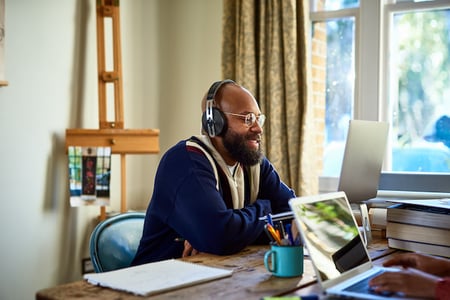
189 250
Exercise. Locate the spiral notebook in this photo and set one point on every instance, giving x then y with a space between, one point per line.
157 277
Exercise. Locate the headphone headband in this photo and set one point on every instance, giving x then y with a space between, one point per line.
215 87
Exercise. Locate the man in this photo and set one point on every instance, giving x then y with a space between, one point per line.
211 190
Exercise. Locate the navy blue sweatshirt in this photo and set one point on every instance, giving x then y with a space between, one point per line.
186 205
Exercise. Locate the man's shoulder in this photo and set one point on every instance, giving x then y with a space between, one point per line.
176 147
186 147
196 145
265 161
266 166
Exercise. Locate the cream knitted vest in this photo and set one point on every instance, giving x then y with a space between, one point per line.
236 182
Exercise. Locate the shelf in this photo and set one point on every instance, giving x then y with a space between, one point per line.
121 141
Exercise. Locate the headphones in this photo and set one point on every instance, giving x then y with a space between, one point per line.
213 120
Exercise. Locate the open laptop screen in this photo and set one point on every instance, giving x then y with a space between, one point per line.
363 159
330 233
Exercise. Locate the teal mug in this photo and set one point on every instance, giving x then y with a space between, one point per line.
284 261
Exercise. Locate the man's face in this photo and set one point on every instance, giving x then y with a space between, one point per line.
244 148
242 140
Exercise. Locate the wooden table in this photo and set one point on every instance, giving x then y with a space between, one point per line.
250 280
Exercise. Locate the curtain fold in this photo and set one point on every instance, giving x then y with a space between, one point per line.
265 48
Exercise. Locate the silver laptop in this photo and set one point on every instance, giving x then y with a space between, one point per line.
364 153
335 246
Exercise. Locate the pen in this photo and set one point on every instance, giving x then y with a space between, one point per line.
269 219
289 233
281 228
271 238
273 233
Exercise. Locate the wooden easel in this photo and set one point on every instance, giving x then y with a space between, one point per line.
112 133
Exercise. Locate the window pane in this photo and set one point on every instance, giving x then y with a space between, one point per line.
335 41
420 91
330 5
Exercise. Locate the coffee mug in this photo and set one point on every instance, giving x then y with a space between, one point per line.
284 261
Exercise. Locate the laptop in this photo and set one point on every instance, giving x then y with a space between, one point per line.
364 153
335 246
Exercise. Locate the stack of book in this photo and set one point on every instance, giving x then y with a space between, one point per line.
419 227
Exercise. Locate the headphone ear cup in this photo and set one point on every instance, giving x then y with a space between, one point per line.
214 121
216 125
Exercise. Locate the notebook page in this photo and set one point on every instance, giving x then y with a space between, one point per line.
157 277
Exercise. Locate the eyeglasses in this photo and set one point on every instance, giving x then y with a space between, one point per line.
250 118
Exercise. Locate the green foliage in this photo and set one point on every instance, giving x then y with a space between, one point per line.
422 55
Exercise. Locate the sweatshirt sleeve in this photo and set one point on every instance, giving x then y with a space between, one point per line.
274 189
200 215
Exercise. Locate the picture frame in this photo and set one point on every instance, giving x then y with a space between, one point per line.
3 81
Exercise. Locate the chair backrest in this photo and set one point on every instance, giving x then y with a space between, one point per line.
114 241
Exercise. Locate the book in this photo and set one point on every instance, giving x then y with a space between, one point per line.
440 202
419 247
152 278
418 233
419 215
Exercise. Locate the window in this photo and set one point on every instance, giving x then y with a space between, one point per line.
384 60
418 87
333 65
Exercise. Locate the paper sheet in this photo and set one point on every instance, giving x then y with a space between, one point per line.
157 277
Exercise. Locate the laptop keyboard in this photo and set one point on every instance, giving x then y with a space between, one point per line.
363 286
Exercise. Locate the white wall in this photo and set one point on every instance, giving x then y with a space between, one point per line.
170 54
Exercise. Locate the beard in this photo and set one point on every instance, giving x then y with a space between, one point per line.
236 145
